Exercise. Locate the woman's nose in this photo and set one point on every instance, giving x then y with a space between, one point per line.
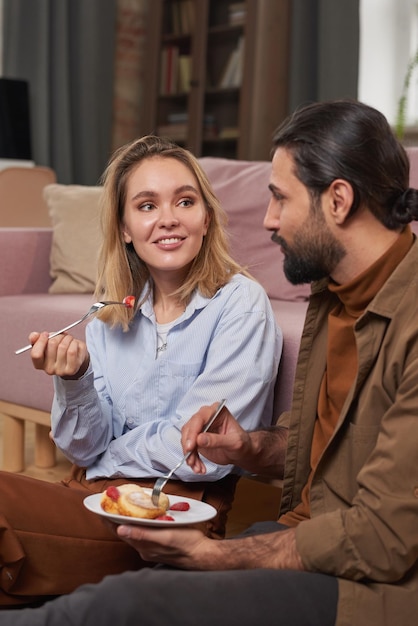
168 216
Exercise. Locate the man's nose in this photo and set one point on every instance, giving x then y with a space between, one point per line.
271 218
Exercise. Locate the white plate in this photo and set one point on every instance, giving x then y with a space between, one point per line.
198 512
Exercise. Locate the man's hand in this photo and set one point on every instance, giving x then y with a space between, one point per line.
225 443
187 548
258 452
61 356
184 548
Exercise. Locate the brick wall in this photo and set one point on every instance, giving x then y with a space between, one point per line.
129 69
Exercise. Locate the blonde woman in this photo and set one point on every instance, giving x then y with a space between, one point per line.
202 329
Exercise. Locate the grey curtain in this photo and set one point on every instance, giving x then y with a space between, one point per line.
324 50
65 49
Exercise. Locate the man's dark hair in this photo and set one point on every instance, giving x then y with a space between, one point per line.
353 141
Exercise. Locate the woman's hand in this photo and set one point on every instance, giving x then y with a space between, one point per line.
62 355
225 443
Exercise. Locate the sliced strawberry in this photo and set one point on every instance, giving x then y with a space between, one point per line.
180 506
113 493
165 518
129 301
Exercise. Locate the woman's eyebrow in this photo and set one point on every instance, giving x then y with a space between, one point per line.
152 194
144 193
186 188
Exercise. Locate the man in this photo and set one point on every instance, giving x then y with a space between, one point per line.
345 551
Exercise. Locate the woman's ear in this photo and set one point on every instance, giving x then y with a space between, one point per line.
341 197
125 234
206 223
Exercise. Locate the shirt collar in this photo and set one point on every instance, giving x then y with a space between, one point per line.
197 302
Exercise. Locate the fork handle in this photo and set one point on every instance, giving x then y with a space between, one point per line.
205 429
164 480
214 416
54 334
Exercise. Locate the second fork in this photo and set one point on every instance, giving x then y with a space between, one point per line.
161 482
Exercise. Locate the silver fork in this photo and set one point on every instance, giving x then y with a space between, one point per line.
161 482
93 309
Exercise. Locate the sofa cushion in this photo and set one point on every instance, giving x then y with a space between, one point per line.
20 382
242 188
74 212
290 316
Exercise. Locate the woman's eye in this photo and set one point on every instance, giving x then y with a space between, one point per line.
186 202
147 206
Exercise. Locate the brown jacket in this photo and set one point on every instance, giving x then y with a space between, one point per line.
364 494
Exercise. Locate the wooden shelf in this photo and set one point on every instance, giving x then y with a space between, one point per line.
254 98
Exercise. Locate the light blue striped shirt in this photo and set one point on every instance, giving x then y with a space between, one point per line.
124 416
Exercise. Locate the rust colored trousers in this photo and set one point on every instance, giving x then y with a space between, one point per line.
50 544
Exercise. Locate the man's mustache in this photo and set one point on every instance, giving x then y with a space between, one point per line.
279 240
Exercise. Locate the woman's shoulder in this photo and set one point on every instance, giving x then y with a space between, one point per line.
246 287
246 282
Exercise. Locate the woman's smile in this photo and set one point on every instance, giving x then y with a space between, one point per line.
170 242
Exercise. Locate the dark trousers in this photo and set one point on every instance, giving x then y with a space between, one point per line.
155 596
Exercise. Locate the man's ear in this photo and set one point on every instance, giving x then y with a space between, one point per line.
341 198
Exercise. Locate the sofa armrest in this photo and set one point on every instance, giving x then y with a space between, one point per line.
24 260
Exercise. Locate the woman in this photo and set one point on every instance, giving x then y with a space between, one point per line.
201 330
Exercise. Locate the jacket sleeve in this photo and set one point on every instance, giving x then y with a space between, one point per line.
376 536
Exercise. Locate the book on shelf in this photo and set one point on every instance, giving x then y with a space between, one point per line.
175 72
184 73
177 131
210 126
229 132
232 74
183 17
169 70
237 13
177 116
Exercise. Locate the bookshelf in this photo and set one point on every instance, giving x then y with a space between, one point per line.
217 77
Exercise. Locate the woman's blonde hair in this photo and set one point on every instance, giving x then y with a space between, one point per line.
121 271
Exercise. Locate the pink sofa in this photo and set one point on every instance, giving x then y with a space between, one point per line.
26 304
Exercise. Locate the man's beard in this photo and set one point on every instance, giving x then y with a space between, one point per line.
314 254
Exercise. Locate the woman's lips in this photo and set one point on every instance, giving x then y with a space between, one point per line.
169 242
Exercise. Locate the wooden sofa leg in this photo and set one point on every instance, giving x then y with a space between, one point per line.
45 451
13 443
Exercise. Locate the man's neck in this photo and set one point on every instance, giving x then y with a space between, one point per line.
366 240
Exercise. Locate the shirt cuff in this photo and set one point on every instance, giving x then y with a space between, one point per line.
72 389
324 546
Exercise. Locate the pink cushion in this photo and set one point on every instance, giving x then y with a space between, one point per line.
290 316
19 315
24 261
413 171
242 188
